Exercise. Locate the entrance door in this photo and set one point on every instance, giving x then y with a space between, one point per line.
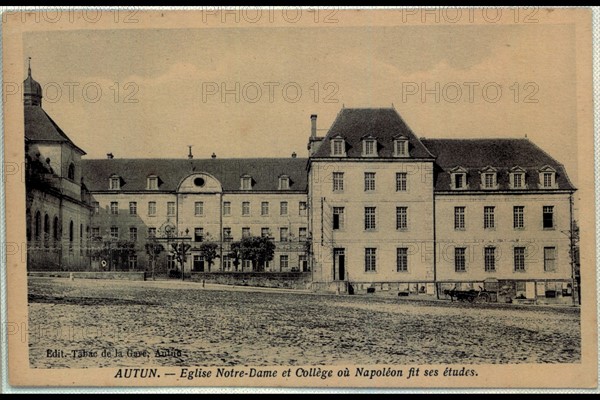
339 264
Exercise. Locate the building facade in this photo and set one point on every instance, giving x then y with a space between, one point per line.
373 208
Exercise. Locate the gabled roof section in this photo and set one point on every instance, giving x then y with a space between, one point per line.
502 154
39 127
384 124
265 172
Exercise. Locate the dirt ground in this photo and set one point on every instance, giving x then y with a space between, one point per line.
125 323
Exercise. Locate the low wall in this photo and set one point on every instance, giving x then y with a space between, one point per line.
120 275
289 280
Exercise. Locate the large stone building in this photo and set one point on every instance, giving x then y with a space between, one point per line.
373 207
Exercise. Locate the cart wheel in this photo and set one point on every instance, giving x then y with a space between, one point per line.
483 298
471 299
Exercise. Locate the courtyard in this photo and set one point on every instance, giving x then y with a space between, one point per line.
174 323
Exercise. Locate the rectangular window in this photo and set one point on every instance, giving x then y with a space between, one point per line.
153 183
246 208
547 179
246 183
283 262
519 258
114 207
284 183
459 259
369 181
402 259
245 232
95 232
283 208
302 234
132 208
489 256
548 217
518 217
401 218
370 259
338 218
171 208
518 181
264 232
151 208
283 234
401 147
489 180
115 183
302 207
133 261
133 234
198 264
226 263
459 181
151 232
227 235
370 218
549 259
114 232
303 262
264 208
199 208
369 147
96 206
198 234
226 208
401 182
459 218
338 181
170 261
488 217
338 147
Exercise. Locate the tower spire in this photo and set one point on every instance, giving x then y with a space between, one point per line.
28 66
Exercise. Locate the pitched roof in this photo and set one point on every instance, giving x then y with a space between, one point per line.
502 154
382 123
265 172
39 127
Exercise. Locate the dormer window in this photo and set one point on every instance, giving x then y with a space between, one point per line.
517 178
489 178
284 182
152 182
458 178
369 146
114 182
547 177
401 146
246 182
338 147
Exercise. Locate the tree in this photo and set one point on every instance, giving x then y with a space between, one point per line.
235 253
117 252
258 249
208 251
153 249
180 251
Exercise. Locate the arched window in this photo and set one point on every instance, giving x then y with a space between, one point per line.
55 232
71 232
28 219
71 172
38 225
46 228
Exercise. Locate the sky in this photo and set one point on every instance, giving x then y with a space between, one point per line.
162 89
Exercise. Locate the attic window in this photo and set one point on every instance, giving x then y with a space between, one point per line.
401 147
369 147
284 182
152 183
246 182
338 147
114 182
458 178
517 178
547 177
489 178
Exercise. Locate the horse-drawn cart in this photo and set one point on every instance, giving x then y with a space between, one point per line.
472 295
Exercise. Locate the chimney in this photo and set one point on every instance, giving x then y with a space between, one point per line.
313 125
110 156
213 156
294 155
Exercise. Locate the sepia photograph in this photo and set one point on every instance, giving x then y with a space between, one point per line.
289 197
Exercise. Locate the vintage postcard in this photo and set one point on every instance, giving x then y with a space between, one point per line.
300 197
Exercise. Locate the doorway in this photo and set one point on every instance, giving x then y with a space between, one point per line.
339 264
